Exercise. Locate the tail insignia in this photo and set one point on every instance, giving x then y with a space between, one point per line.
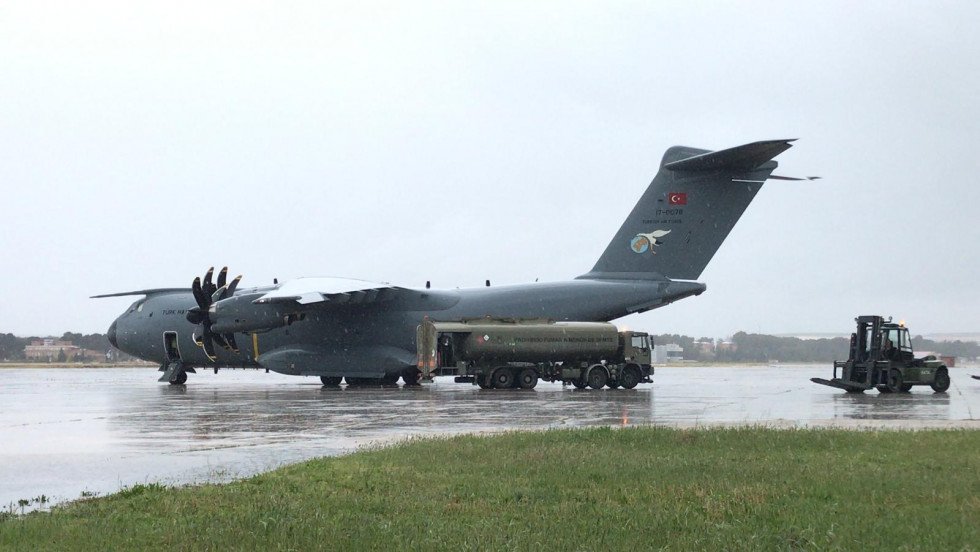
641 243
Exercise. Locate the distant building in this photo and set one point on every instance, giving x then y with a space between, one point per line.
50 349
671 352
726 346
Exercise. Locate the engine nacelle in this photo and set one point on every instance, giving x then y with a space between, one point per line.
241 314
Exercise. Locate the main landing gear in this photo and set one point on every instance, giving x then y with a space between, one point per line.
410 376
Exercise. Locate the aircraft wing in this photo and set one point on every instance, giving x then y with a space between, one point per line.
147 292
324 292
314 290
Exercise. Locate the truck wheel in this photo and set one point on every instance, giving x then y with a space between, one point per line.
941 382
502 378
906 387
483 382
612 383
895 381
630 377
598 377
579 383
330 381
528 378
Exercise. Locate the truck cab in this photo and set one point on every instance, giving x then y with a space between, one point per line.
637 347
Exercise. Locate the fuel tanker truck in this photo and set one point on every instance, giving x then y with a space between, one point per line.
497 353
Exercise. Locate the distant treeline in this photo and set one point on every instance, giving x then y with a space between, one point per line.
746 347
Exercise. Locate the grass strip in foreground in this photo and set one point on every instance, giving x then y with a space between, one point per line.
588 489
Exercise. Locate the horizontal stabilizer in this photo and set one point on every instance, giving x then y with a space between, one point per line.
740 158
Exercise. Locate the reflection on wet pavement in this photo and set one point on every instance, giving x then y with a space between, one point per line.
71 431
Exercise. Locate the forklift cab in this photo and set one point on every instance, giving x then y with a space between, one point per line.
896 344
881 340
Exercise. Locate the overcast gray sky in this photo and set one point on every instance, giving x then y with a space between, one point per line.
142 143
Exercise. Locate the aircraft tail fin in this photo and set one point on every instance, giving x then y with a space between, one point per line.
687 212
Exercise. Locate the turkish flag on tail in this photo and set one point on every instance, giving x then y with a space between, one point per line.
677 198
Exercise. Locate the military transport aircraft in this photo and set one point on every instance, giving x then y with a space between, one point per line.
365 331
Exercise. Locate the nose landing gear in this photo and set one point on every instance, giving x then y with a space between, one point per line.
174 371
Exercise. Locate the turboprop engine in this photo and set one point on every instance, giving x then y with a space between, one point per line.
220 313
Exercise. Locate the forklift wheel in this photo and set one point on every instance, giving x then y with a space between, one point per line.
895 381
941 382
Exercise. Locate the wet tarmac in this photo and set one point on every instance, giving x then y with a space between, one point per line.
69 432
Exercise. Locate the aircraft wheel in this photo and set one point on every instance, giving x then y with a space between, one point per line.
941 382
331 381
895 381
630 377
579 383
411 376
528 378
389 379
502 378
597 377
179 379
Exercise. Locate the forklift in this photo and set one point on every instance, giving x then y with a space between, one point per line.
881 357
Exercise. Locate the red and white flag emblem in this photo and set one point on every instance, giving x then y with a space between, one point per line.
677 198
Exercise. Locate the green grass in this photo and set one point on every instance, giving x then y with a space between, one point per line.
592 489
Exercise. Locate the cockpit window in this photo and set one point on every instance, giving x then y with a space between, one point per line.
139 308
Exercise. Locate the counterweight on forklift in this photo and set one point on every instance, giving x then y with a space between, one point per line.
881 357
504 353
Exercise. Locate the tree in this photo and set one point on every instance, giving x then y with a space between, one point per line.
11 347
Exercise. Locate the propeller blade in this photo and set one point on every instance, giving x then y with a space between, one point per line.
209 347
222 277
199 296
221 342
207 285
233 285
230 338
